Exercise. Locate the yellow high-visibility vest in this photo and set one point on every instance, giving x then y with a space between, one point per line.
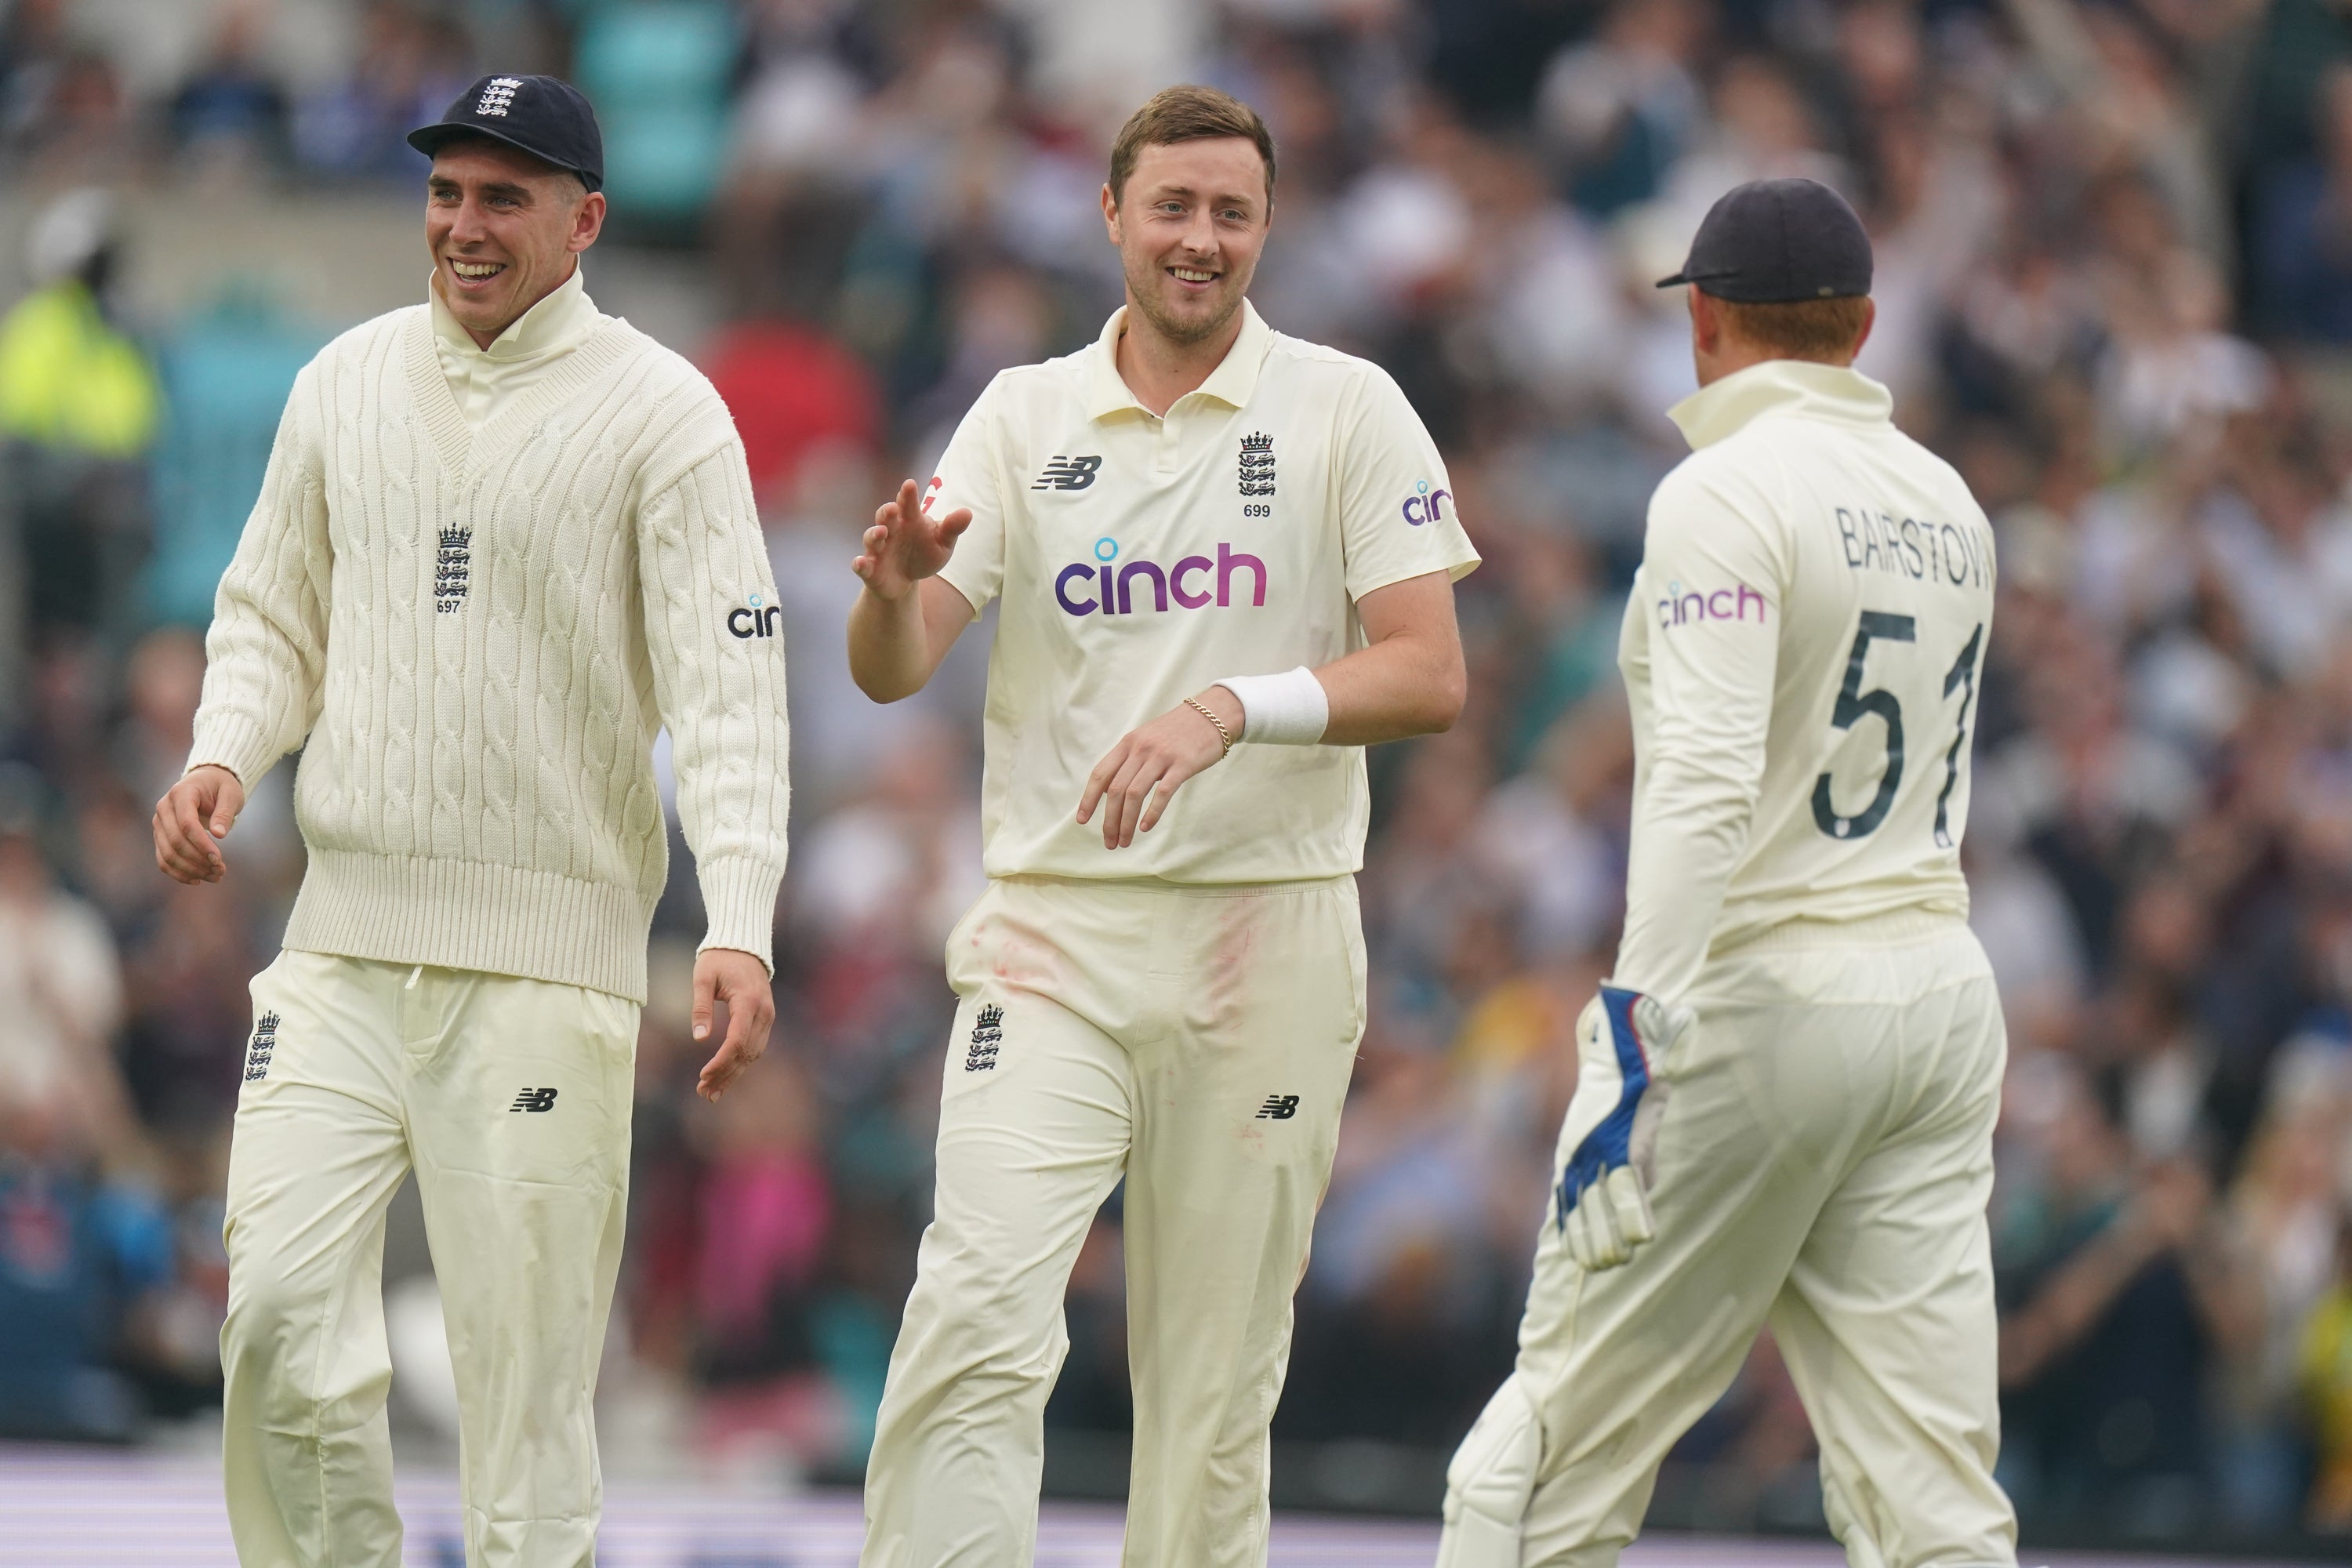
67 379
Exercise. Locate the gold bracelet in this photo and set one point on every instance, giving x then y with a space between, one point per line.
1224 735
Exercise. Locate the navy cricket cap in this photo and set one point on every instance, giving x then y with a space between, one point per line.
1776 241
546 118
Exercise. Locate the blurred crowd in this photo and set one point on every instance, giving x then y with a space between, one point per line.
2115 283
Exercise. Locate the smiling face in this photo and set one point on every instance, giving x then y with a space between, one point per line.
503 229
1189 226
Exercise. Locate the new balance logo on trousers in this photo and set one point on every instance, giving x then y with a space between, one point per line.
534 1100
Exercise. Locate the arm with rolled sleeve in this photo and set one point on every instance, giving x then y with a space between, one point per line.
266 653
701 557
1709 708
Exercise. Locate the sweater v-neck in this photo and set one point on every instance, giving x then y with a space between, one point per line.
465 452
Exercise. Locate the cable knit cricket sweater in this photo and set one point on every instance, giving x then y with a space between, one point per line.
478 634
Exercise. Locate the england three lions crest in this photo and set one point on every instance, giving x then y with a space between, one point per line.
1258 464
987 1035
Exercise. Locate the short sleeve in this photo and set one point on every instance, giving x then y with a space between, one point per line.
1397 516
969 476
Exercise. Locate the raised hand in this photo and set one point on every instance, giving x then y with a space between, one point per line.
906 545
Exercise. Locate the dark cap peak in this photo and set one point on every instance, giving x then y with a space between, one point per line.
545 116
1778 241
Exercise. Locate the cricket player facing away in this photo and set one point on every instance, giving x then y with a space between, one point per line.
1226 561
1785 1100
503 539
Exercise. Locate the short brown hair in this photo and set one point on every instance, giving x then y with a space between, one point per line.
1187 114
1799 329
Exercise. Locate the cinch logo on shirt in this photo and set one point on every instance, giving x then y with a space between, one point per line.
1112 588
754 620
1678 608
1426 505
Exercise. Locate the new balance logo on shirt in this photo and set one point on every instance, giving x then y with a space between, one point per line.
533 1099
1277 1108
1068 474
987 1033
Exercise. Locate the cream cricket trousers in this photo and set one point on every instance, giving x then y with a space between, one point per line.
510 1097
1823 1166
1197 1041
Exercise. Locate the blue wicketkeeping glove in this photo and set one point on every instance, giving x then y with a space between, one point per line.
1602 1204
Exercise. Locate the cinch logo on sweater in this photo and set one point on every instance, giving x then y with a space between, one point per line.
1680 609
1081 588
755 620
452 571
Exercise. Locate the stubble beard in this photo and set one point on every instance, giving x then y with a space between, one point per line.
1180 331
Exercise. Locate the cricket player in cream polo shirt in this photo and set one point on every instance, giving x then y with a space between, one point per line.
503 538
1785 1095
1226 560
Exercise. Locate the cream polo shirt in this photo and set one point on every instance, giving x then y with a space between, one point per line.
1140 559
1801 650
485 382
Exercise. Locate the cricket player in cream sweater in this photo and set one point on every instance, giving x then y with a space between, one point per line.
503 539
1786 1094
1226 561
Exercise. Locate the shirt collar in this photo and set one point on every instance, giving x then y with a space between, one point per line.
559 320
1801 387
1233 381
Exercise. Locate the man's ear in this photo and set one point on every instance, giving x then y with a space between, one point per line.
587 223
1110 214
1706 325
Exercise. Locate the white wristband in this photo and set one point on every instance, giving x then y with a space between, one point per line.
1286 709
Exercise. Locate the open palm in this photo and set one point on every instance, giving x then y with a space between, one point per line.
905 544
